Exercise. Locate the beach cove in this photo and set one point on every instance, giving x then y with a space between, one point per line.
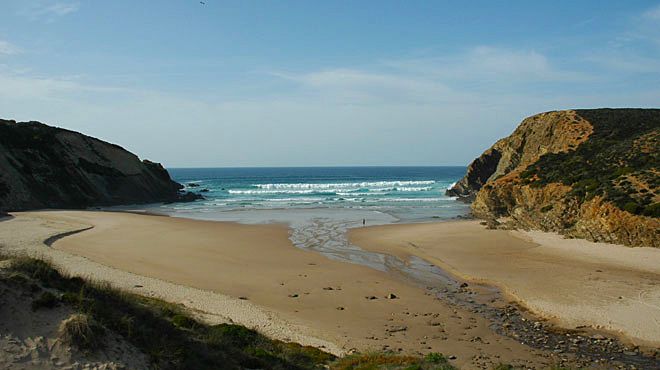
223 271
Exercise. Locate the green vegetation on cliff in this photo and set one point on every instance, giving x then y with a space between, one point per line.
618 162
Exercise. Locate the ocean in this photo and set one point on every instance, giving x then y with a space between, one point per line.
320 204
405 193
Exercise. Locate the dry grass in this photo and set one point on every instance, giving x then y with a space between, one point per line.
81 331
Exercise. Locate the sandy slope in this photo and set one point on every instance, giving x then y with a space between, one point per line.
573 282
220 262
29 339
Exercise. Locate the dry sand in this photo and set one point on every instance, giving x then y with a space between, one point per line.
572 282
208 266
29 340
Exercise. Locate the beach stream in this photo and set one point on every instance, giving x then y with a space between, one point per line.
325 231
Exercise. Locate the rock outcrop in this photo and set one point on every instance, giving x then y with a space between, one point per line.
48 167
585 173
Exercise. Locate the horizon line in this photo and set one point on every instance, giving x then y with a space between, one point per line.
316 166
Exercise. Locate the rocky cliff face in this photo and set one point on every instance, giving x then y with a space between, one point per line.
48 167
586 173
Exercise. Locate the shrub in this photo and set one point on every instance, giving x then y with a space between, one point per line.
503 367
435 358
183 321
652 210
45 300
631 207
235 334
36 269
433 361
547 208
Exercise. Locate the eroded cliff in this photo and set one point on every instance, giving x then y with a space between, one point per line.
48 167
585 173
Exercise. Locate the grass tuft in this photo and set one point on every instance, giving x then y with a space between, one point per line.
81 331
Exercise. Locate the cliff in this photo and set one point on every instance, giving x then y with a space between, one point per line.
585 173
48 167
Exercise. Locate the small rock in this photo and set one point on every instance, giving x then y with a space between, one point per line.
293 295
452 357
391 296
243 298
597 337
137 286
630 353
340 308
395 329
371 297
328 288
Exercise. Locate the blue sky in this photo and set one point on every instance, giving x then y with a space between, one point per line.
298 83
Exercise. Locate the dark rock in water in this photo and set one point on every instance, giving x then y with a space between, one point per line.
205 190
49 167
189 197
193 185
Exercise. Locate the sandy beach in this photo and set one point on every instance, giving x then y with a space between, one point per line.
572 282
252 275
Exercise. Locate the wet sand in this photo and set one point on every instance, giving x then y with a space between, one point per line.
571 282
289 293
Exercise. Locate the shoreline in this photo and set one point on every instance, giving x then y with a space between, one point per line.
321 286
547 253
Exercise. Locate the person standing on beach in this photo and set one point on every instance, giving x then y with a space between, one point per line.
364 221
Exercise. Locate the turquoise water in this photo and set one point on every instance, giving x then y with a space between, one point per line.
320 205
405 193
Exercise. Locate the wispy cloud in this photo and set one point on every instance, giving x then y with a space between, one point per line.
7 48
357 86
461 78
47 10
625 63
489 64
653 13
17 84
